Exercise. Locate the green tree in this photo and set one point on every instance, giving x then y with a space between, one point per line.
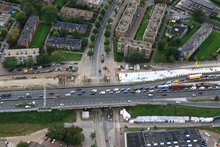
10 62
107 49
198 15
100 18
97 24
21 18
30 7
171 59
136 58
3 33
43 59
57 132
108 26
90 53
216 98
107 33
110 20
161 45
93 145
49 14
55 33
92 135
56 56
95 30
107 41
22 144
29 62
84 41
92 38
13 35
74 136
102 12
91 45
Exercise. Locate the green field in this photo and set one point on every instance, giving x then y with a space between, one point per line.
40 35
209 46
59 3
171 110
143 25
118 57
21 123
70 56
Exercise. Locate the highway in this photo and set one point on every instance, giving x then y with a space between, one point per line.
87 100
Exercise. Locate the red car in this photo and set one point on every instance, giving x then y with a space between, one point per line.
57 95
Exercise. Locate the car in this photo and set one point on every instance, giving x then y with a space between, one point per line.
53 141
125 91
164 94
28 96
118 92
61 104
83 91
20 97
115 89
67 94
200 92
194 95
150 95
129 101
102 58
57 94
72 92
138 91
178 102
102 92
94 90
2 102
27 106
201 88
40 96
111 92
79 94
51 93
107 90
78 89
93 93
122 89
151 90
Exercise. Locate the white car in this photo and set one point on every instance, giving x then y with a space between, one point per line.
67 94
27 94
138 91
94 90
102 92
151 90
177 102
111 92
53 141
27 106
116 89
129 101
118 92
72 92
194 95
150 95
61 104
107 90
201 88
2 102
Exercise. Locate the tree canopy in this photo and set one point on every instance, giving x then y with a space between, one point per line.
22 144
49 14
30 7
21 18
10 62
72 135
136 58
198 15
56 56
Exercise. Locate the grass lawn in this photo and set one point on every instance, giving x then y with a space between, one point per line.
40 35
143 25
59 3
171 110
70 56
118 57
21 123
209 46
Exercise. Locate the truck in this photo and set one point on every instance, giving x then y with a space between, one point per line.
194 77
205 84
22 104
177 86
102 58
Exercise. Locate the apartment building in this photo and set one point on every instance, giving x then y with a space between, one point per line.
196 40
73 12
64 43
71 27
127 18
205 6
154 23
28 31
128 46
22 54
93 3
4 18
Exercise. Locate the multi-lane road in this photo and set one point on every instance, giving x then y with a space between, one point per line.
86 100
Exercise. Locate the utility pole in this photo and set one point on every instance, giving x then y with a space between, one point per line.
45 98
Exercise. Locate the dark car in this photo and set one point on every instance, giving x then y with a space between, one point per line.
102 58
51 93
78 89
164 94
79 94
93 93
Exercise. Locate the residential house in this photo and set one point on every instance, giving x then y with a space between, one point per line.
28 31
65 43
73 12
71 27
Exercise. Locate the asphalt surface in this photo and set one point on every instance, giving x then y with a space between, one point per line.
86 100
97 45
